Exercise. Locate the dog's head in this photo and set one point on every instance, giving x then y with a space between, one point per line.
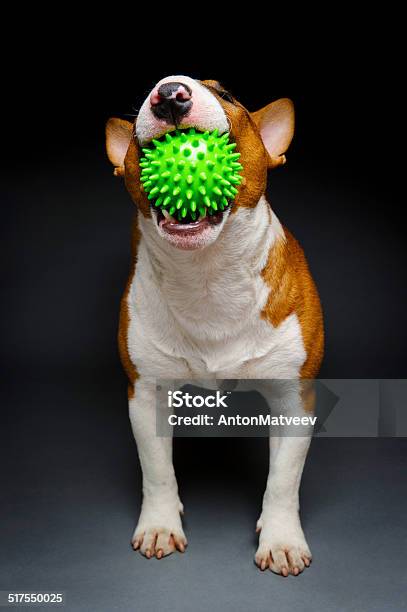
180 102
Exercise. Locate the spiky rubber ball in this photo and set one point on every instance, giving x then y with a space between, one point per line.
190 173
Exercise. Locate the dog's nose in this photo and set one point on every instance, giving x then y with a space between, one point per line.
171 101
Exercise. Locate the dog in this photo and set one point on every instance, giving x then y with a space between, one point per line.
229 296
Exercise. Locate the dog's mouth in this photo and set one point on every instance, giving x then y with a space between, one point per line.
170 225
187 234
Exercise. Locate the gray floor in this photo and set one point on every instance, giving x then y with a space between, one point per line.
71 497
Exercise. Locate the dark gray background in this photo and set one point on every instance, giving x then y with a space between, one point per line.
70 477
72 485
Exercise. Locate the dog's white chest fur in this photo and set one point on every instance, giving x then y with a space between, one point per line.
197 314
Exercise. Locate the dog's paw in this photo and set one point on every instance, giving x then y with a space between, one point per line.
159 541
282 546
159 533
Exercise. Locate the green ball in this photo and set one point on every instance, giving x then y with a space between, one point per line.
190 173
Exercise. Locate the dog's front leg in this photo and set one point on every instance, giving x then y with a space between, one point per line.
159 530
282 544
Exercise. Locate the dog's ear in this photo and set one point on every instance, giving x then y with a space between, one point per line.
118 136
276 126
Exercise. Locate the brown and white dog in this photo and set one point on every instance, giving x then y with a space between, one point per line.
227 297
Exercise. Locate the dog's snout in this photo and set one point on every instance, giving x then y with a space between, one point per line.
171 101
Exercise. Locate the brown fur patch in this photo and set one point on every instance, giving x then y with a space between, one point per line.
132 178
254 156
292 290
124 319
308 395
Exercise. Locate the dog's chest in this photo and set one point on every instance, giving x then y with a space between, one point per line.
188 328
